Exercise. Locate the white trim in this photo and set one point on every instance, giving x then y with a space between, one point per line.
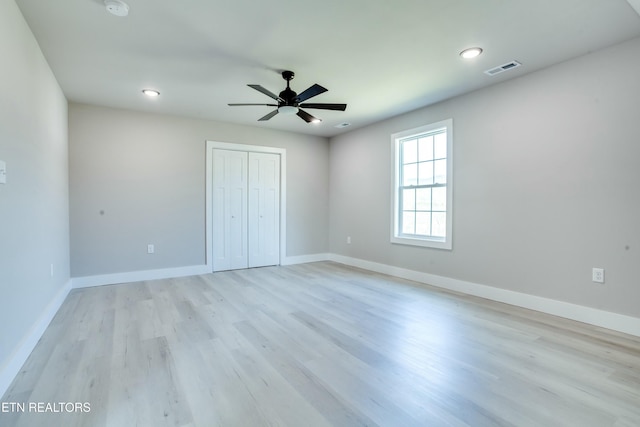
11 369
304 259
138 276
210 145
593 316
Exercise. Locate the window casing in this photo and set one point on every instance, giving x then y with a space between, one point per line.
422 186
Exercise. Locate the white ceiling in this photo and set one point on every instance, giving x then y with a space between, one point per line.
380 57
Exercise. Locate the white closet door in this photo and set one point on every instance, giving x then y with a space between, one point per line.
264 209
229 210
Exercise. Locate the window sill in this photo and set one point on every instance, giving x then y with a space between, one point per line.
435 243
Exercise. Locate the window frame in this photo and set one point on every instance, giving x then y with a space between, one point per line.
414 239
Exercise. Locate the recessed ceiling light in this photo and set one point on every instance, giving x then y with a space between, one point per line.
117 7
472 52
151 92
342 125
315 120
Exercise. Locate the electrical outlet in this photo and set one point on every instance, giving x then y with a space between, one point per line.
151 249
3 172
348 240
597 275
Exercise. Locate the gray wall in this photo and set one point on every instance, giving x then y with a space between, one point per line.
34 219
546 179
139 178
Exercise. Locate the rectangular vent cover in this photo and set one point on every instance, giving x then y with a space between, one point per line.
502 68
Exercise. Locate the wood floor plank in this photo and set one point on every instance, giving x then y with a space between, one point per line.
306 385
320 344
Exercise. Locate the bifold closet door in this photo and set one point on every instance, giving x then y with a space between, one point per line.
229 210
246 209
264 209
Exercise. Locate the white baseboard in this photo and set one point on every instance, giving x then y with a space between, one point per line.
137 276
605 319
303 259
168 273
24 349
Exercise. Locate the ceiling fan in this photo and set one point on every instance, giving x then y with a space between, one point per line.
290 103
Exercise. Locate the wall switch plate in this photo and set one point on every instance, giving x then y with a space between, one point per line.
3 172
151 249
348 240
597 275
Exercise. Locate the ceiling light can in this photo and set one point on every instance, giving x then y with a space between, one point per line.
151 92
471 52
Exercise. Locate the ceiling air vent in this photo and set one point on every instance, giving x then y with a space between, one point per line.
502 68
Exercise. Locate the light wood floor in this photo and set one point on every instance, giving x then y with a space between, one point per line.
320 345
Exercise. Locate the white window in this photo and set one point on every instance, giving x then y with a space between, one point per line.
422 186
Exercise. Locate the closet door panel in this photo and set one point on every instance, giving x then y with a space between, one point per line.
229 210
264 209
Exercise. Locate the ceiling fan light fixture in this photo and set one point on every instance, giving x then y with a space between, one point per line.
117 7
288 110
471 53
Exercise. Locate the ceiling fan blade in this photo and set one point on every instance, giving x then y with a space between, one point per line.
266 92
241 105
268 116
339 107
307 117
314 90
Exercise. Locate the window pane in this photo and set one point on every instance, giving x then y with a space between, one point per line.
423 199
440 171
440 145
425 148
408 200
425 172
410 151
439 226
408 223
439 199
423 223
409 175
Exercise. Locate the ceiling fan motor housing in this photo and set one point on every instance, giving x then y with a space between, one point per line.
289 97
